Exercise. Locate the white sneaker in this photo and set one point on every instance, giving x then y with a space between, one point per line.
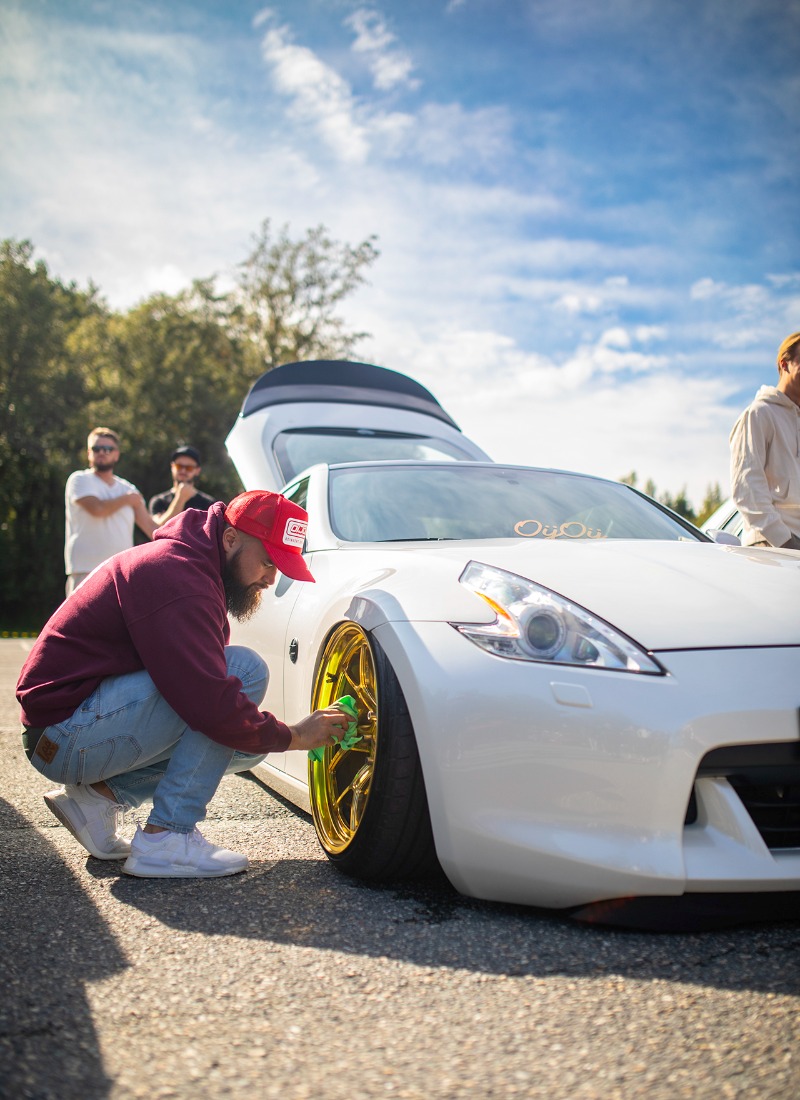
180 855
92 819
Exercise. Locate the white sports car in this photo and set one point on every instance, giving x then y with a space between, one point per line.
566 694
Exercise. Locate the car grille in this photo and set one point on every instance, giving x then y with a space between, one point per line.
775 810
767 780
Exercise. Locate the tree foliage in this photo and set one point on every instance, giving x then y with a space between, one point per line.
680 503
172 370
288 292
41 407
165 373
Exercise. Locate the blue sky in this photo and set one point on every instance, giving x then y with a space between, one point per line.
587 211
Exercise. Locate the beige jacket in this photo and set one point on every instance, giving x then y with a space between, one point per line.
765 468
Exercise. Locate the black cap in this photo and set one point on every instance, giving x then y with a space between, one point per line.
190 452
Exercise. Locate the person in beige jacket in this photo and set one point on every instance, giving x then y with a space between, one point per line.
765 457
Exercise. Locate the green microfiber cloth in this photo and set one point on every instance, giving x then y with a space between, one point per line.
347 705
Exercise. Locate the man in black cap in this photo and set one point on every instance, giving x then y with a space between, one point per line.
185 465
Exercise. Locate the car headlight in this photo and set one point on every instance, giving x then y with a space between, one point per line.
534 624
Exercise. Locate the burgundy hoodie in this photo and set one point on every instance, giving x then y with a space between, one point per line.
159 607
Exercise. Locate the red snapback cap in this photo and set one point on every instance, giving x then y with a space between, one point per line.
278 523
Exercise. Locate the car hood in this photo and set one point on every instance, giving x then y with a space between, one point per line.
664 595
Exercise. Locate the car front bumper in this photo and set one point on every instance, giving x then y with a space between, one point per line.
558 786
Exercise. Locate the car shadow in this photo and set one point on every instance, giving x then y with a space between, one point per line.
308 903
54 943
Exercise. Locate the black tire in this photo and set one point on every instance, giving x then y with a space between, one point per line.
369 804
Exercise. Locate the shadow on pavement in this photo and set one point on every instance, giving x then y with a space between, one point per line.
53 943
309 904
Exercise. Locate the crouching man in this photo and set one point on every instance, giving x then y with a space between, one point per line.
132 693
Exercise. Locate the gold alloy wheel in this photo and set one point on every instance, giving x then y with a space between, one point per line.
339 784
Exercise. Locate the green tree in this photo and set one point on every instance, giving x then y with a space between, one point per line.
679 504
42 394
165 373
288 293
711 502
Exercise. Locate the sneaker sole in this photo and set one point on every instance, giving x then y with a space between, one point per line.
140 868
80 834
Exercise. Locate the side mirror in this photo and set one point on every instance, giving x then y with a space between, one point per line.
724 537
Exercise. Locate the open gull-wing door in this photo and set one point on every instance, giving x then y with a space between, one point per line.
337 411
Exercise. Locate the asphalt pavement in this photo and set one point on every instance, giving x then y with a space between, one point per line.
292 981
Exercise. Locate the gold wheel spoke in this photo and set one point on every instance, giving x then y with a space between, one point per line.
356 810
354 688
338 801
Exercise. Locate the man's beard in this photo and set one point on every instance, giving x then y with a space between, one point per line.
241 600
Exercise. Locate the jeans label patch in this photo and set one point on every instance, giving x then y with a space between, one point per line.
46 749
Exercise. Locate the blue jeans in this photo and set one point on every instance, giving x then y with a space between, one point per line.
128 736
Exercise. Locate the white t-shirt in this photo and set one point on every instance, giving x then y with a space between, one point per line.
91 539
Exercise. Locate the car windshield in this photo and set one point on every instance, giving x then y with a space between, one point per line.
296 450
458 501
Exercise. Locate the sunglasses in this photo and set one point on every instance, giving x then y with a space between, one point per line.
100 447
185 469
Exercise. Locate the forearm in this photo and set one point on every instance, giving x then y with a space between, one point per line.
144 521
100 509
174 509
181 495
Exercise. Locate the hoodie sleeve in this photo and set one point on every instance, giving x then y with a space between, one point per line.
182 646
751 439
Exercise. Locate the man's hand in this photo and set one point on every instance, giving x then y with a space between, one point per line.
183 492
319 729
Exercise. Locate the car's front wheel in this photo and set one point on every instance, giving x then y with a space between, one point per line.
369 804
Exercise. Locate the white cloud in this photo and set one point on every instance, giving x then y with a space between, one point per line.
615 338
704 289
354 129
580 303
167 279
390 68
608 356
591 299
448 133
317 93
732 338
783 281
646 334
791 313
748 298
372 35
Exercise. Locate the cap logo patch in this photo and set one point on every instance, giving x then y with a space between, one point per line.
295 532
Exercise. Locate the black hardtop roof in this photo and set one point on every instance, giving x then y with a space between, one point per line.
340 381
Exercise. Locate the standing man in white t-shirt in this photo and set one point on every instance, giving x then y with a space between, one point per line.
101 510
